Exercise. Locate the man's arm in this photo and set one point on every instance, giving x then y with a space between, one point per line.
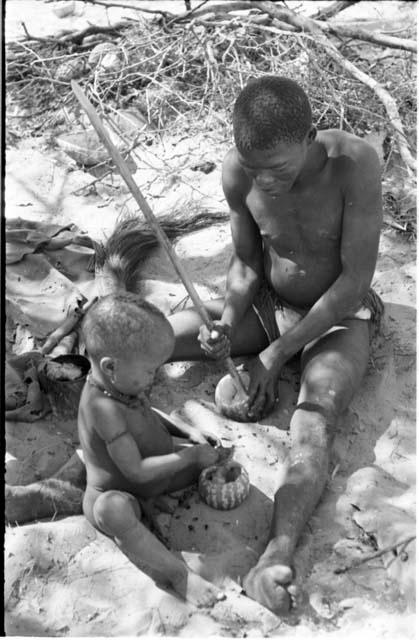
246 267
362 220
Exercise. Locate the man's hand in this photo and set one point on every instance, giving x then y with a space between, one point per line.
264 382
215 343
196 436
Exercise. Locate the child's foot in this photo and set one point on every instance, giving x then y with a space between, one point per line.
197 591
272 586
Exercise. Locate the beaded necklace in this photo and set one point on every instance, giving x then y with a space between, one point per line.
130 401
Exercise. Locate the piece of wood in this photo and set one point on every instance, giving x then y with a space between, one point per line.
375 38
377 554
333 9
151 219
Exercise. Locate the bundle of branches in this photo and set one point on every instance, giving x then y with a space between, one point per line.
184 72
191 70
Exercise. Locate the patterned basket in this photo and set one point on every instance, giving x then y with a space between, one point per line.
224 486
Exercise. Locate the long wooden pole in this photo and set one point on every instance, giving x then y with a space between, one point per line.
152 221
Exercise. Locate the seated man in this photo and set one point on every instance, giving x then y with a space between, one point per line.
305 220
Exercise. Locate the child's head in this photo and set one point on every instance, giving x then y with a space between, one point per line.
127 339
272 125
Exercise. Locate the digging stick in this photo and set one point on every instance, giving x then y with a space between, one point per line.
152 221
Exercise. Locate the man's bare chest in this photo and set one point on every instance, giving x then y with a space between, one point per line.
309 222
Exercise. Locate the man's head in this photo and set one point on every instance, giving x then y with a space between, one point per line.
273 129
127 339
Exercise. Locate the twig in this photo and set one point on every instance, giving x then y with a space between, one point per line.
359 561
77 37
223 7
187 14
36 38
123 5
51 80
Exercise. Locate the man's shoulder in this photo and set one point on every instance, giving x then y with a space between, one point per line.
231 161
234 179
347 146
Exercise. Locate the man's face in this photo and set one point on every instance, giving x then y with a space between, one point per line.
275 170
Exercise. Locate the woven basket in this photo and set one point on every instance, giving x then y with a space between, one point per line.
225 486
64 395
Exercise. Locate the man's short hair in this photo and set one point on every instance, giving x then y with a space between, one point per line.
123 324
270 110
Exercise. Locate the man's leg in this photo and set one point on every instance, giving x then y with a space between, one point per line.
332 370
249 338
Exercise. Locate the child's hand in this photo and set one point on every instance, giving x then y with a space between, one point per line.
205 455
196 436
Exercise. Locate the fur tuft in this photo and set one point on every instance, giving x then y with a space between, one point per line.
121 256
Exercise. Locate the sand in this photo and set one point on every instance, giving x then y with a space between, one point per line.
63 578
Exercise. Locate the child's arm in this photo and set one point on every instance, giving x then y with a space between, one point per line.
111 426
181 429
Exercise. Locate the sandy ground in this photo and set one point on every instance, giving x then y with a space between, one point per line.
65 579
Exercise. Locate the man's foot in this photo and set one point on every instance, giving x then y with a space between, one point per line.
197 591
272 586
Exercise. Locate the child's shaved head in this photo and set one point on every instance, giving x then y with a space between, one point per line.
123 325
270 110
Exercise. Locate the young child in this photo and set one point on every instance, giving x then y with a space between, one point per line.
128 447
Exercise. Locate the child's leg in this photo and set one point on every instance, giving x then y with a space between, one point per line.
118 515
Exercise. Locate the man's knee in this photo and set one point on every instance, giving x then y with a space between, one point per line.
116 512
311 425
328 385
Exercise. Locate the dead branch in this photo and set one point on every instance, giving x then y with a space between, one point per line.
338 30
375 38
36 38
187 14
122 5
308 25
333 10
76 37
371 556
223 7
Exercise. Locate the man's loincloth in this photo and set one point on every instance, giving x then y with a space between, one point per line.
277 318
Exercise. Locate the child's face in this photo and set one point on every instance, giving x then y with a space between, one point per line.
275 170
134 374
